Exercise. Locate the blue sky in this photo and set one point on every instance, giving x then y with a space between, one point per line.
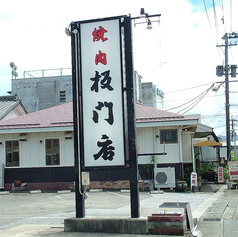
176 54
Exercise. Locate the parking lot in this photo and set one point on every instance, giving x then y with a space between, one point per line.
19 210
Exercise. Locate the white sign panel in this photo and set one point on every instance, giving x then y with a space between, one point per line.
220 174
194 179
233 170
101 73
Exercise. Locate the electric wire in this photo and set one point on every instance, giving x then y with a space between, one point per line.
194 104
230 15
207 97
194 101
205 7
216 25
176 107
222 11
215 19
187 88
216 116
222 14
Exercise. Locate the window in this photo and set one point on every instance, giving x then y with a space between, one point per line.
52 149
168 136
12 153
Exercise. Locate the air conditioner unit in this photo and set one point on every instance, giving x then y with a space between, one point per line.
164 177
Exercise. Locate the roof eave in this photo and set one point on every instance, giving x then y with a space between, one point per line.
167 123
35 130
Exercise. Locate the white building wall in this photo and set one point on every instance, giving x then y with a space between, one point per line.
32 151
186 147
207 154
148 143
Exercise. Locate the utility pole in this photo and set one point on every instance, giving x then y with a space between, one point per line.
220 72
227 103
233 133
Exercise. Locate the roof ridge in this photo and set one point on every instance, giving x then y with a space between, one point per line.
43 110
9 98
181 115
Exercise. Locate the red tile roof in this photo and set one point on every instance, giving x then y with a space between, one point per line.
145 114
62 116
57 116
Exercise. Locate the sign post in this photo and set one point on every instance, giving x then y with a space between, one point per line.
221 174
194 180
233 170
134 188
103 102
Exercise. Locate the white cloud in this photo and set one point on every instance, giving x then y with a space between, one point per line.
179 53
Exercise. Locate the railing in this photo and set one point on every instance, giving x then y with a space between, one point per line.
47 72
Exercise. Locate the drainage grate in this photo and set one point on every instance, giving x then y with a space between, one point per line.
211 219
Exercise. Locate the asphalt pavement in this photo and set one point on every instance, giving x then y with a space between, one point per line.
43 214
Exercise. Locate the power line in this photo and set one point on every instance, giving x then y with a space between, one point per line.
205 7
230 15
187 88
192 103
186 102
215 19
215 116
207 97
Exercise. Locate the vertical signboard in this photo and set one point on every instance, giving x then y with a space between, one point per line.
233 170
220 174
103 101
102 94
194 180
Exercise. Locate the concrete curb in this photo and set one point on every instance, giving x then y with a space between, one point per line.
35 191
125 190
157 192
4 193
95 190
64 191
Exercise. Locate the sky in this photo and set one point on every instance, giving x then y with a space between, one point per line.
179 54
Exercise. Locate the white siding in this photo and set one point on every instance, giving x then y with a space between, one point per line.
186 147
208 154
148 143
32 151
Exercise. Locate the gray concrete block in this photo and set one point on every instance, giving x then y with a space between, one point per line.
106 225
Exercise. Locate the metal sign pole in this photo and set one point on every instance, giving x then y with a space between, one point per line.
134 188
79 199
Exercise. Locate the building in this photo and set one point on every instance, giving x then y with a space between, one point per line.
37 148
42 92
11 107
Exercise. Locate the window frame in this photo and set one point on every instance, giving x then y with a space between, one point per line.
12 163
52 163
168 141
